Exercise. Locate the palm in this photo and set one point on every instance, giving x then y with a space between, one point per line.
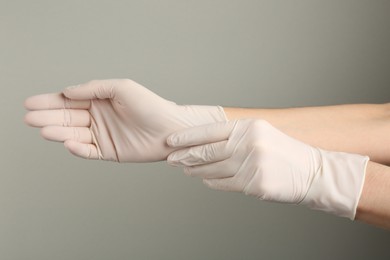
132 125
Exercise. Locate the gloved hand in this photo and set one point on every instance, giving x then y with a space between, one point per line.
253 157
116 120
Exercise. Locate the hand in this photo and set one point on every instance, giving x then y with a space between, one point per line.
253 157
117 120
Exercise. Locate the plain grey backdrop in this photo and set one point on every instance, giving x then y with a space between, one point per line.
231 53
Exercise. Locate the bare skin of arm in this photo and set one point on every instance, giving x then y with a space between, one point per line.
361 129
374 203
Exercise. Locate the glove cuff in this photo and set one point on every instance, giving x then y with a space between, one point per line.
338 184
202 115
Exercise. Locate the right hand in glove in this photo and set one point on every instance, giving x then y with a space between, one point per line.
253 157
116 120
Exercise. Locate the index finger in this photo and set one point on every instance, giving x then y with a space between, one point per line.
54 101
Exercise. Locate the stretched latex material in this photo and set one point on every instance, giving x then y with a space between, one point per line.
116 120
253 157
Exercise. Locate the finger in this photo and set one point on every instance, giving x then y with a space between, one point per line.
95 89
86 151
198 155
54 101
222 169
61 134
61 117
201 134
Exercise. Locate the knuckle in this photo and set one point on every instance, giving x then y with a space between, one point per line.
67 117
76 134
67 103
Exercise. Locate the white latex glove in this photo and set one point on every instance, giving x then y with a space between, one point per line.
253 157
117 120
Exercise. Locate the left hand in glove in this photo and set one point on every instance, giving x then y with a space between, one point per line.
115 120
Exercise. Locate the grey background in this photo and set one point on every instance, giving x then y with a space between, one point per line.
231 53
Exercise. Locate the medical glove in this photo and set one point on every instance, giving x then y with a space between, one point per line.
253 157
116 120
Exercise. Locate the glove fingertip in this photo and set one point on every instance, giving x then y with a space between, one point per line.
172 141
28 103
68 92
68 144
207 182
171 160
74 148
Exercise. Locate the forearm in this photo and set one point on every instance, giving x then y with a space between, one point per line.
362 129
374 203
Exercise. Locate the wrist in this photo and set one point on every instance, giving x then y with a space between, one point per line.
337 186
371 207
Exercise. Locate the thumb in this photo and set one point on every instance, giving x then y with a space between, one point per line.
95 89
